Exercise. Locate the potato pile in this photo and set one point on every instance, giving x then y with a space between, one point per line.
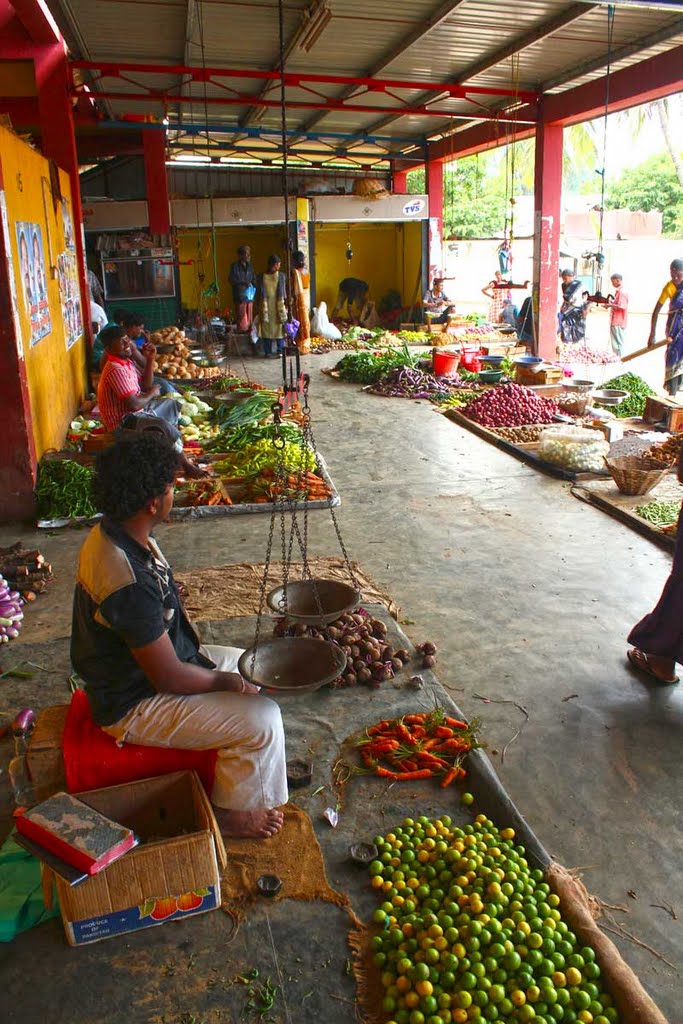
175 361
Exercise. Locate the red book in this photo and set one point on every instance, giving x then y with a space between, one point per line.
80 835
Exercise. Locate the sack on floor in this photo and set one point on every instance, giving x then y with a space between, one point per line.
321 326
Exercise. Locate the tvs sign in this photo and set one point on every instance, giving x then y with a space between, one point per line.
413 208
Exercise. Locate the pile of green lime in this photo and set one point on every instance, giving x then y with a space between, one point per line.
467 931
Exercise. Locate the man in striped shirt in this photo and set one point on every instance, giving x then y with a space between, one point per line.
120 389
123 392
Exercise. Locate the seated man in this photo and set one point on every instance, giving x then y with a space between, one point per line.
437 303
123 390
352 292
147 678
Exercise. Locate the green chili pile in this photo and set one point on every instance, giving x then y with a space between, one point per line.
64 490
637 389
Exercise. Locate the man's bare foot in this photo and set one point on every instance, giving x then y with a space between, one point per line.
249 824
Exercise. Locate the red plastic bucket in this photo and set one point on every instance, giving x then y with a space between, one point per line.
470 358
445 363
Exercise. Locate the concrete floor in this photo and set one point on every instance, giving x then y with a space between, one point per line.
529 595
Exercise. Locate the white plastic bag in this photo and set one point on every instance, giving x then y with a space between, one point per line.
574 448
321 326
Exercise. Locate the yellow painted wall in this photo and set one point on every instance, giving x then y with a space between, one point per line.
56 378
264 240
387 256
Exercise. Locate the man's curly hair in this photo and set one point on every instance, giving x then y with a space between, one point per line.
132 472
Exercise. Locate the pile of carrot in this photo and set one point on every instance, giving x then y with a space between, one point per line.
420 746
298 487
206 492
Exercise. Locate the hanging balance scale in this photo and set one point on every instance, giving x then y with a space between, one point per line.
296 662
299 660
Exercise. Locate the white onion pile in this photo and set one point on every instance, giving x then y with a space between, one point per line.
11 614
574 448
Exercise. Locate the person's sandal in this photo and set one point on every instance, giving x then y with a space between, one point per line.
640 662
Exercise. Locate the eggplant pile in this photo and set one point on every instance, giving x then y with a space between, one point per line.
406 382
11 614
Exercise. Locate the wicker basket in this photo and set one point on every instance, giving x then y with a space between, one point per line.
635 475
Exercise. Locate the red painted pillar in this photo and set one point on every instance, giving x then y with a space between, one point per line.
400 182
435 191
18 467
547 214
154 143
434 176
59 144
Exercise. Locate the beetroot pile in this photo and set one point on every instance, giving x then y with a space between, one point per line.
510 405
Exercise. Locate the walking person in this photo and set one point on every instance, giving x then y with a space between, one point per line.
673 291
658 638
618 314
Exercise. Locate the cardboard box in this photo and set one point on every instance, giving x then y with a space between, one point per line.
173 873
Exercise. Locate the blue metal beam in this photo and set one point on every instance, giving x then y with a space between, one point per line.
193 128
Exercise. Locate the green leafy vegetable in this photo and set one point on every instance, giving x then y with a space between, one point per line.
368 367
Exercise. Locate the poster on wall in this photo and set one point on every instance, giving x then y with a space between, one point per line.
69 239
33 280
67 275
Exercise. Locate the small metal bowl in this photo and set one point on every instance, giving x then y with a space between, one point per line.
609 396
363 853
269 885
529 362
492 360
293 664
314 602
578 386
299 773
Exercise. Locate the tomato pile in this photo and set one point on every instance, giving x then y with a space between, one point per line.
418 747
467 931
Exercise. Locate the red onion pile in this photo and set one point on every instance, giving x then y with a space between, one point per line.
510 405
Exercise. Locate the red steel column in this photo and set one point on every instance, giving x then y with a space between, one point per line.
547 213
434 177
156 180
59 144
400 182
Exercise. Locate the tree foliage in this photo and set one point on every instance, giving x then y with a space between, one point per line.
473 206
651 185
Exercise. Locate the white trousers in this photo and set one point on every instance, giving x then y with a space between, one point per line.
245 728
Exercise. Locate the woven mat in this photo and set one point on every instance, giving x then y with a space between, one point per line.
228 591
293 855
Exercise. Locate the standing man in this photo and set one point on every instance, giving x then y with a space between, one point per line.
243 281
618 315
573 311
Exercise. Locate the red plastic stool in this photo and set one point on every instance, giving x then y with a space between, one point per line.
92 759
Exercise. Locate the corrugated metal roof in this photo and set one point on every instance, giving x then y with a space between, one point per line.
421 41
